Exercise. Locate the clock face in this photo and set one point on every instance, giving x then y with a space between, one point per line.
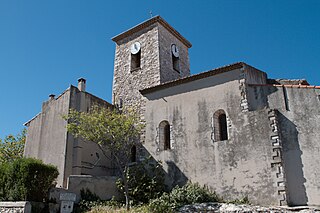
135 47
175 50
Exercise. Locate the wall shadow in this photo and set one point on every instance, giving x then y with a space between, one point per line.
292 162
173 176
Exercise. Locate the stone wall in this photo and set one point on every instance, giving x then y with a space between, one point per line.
156 67
167 73
15 207
127 82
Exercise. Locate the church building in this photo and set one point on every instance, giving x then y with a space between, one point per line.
230 128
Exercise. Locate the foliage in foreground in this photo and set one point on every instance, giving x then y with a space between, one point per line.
11 147
168 202
145 180
26 179
111 129
180 196
91 201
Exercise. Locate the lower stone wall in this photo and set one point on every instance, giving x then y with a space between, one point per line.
103 186
15 207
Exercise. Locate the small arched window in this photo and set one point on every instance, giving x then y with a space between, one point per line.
164 135
133 153
175 58
135 50
220 125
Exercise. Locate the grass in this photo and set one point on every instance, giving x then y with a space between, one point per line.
110 209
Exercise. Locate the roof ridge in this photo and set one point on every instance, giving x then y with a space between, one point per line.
148 23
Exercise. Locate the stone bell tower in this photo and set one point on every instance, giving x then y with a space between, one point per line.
147 55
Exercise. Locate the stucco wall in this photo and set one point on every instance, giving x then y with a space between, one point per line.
48 140
299 122
47 136
87 157
240 166
103 186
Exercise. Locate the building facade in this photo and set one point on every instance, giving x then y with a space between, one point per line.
231 128
48 139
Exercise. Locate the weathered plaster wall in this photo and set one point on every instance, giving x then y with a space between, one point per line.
299 122
87 157
103 186
47 136
300 125
48 140
239 166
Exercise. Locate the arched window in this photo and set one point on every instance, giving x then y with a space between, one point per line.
135 61
175 58
220 125
133 153
135 50
164 135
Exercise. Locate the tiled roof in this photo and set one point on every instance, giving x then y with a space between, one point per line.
289 86
149 22
288 81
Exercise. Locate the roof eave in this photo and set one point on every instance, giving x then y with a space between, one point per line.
195 77
147 23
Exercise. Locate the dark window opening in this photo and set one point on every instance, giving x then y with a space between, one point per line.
220 126
135 60
175 63
167 137
223 127
133 154
164 135
120 103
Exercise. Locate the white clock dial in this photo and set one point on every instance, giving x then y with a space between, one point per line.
135 47
175 50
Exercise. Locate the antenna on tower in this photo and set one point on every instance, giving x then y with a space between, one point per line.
150 13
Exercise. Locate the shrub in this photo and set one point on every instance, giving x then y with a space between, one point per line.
244 200
26 179
146 181
91 201
179 196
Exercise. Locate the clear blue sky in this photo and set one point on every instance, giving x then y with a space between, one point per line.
47 45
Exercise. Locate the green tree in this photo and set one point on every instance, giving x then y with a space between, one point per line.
11 147
112 130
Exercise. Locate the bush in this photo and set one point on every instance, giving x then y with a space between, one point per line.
146 181
91 201
26 179
179 196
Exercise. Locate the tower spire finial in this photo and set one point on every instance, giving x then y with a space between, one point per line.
150 13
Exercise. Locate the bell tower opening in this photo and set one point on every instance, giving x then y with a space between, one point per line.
135 56
149 54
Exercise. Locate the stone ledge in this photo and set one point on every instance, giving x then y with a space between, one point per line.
224 207
23 206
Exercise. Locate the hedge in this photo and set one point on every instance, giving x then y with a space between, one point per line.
26 179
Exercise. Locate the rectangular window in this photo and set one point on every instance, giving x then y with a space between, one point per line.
135 61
